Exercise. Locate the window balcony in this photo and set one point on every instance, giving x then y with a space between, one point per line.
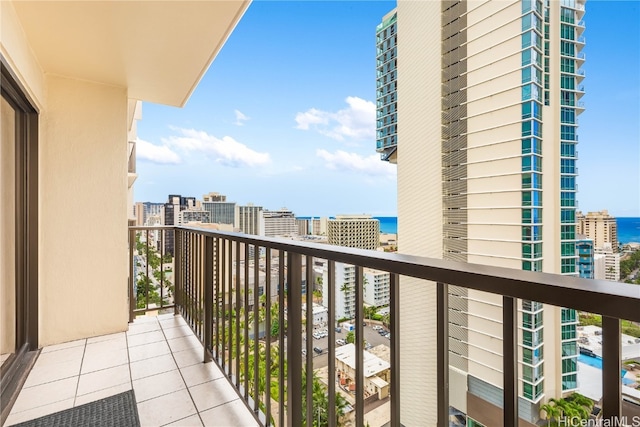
208 313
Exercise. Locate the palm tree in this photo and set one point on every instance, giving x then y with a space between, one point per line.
551 411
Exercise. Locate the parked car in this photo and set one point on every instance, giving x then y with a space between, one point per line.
317 350
338 329
340 342
316 335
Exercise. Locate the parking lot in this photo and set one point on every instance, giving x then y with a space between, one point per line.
320 360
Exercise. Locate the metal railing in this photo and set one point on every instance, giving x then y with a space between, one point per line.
218 277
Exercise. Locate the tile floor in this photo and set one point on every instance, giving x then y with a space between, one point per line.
159 358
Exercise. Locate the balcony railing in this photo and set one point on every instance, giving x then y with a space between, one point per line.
208 286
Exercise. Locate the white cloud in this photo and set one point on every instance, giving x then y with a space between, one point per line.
155 153
357 121
240 118
354 162
226 151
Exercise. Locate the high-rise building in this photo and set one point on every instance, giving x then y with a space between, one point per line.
354 231
600 227
175 204
319 226
220 211
386 87
140 213
376 287
249 219
488 95
585 251
303 225
279 223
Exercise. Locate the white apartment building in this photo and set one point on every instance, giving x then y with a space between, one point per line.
606 263
249 219
376 287
488 95
279 223
345 296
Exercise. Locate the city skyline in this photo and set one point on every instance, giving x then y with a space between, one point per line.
289 136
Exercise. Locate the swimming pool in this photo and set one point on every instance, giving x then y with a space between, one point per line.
596 362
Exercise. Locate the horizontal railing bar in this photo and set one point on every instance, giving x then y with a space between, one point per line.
612 299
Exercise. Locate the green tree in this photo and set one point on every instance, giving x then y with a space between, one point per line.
320 399
351 337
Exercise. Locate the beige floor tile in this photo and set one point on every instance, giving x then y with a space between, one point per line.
212 394
102 379
101 394
60 356
158 385
64 345
117 336
140 328
146 338
166 409
146 351
177 332
99 360
153 366
183 343
47 373
41 411
234 413
188 357
45 394
172 322
192 421
200 373
115 343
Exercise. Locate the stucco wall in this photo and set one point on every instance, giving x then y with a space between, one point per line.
83 284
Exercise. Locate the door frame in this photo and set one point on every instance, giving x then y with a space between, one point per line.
16 368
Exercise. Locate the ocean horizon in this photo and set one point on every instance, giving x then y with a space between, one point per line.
628 227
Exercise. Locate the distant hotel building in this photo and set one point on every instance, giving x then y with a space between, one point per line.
354 231
220 211
487 100
600 227
279 223
249 219
171 209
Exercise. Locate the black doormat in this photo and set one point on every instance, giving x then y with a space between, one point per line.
114 411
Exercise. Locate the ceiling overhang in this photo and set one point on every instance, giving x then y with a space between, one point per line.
158 50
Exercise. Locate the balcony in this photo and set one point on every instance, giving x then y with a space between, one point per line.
207 316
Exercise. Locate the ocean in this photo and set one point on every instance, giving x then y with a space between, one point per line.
628 227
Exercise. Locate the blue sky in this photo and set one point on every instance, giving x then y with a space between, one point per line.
285 116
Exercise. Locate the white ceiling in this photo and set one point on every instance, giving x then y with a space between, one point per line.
159 50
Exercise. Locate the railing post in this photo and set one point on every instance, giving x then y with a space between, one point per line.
611 382
294 339
208 297
331 376
510 360
359 348
394 318
132 279
442 356
177 271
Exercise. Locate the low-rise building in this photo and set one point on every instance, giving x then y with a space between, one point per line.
377 372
